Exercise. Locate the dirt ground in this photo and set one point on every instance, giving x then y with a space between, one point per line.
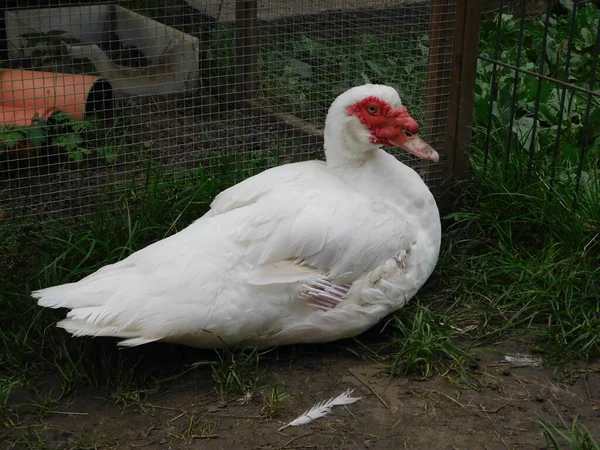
501 412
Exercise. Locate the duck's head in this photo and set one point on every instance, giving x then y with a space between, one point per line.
365 118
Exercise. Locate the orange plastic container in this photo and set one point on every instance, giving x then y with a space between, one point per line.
23 93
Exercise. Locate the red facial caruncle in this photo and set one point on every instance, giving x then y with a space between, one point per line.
391 126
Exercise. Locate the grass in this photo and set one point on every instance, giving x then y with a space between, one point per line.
197 428
273 398
424 345
41 255
6 387
236 372
565 436
523 247
32 439
519 261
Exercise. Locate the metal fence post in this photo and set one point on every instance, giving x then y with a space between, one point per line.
246 43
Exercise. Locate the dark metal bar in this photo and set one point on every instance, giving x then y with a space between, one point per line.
563 93
586 117
543 77
515 88
538 95
246 48
493 86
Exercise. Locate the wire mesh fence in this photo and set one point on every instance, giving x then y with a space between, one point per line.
537 105
97 95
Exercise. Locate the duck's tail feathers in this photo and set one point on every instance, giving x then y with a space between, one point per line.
65 296
79 327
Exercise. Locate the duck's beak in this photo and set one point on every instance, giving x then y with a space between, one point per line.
412 143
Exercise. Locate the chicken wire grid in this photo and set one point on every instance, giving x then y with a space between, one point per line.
193 87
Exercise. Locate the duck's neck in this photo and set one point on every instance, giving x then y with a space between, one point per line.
380 175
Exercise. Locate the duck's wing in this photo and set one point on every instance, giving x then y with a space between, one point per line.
328 226
303 212
254 188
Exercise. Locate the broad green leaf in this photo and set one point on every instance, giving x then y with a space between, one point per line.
588 37
551 50
567 4
60 117
76 156
298 69
523 127
594 122
11 137
35 135
551 106
481 110
79 125
65 139
108 154
569 151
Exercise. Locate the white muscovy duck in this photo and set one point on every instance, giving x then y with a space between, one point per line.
304 252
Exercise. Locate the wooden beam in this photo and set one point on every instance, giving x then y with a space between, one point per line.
246 49
290 119
460 99
441 33
467 55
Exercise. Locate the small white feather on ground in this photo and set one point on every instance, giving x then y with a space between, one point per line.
322 409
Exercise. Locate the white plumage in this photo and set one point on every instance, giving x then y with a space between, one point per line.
304 252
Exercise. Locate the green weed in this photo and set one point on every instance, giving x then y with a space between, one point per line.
565 436
60 131
6 387
236 372
128 389
513 260
423 344
197 428
273 397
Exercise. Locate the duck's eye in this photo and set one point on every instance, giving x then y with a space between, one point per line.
408 134
372 110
